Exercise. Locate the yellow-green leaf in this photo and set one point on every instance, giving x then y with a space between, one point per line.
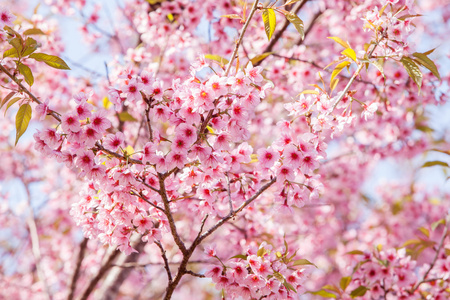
331 287
437 223
339 68
423 60
345 281
270 21
6 99
17 44
219 59
349 52
359 291
240 256
324 294
355 252
434 163
10 53
11 102
297 22
126 117
340 41
33 31
289 286
334 83
260 57
23 118
30 46
301 262
379 65
413 70
425 231
106 103
26 72
51 60
310 92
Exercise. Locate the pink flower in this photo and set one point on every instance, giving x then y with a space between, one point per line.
175 159
132 89
85 160
285 173
70 122
369 111
90 135
99 122
292 156
114 141
83 110
42 109
254 73
187 132
149 153
6 17
267 157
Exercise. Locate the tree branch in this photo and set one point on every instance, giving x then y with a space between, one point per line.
76 273
166 262
238 43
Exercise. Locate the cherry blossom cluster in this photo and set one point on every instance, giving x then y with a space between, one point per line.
261 272
393 274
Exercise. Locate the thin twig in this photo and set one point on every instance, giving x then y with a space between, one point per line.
436 256
195 274
101 272
31 220
166 262
229 193
23 88
76 273
238 43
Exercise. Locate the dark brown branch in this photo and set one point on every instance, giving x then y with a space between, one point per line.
76 273
101 272
195 274
168 213
24 89
166 261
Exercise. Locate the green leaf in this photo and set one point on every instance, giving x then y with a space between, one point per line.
17 44
413 70
355 252
379 65
261 252
324 294
350 53
260 57
240 256
126 117
30 46
289 286
301 262
359 291
222 61
437 223
23 117
270 21
10 53
26 72
339 68
423 60
11 102
340 41
6 99
331 287
425 231
345 281
297 22
33 31
51 60
435 163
